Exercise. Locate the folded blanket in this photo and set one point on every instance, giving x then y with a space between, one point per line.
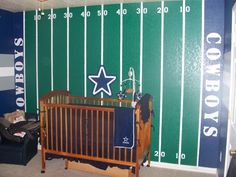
124 127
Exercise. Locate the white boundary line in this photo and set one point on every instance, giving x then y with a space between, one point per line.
161 76
121 44
85 51
182 83
24 61
102 38
68 47
141 47
36 46
201 86
52 80
102 33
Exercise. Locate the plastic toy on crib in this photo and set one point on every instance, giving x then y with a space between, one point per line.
130 88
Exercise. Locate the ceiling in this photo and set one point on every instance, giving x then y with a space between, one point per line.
21 5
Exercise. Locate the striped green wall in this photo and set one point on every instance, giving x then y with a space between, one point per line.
165 51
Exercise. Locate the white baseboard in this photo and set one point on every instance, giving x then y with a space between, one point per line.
184 167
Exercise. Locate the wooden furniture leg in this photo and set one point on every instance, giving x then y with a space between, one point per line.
130 174
149 159
66 164
43 161
137 170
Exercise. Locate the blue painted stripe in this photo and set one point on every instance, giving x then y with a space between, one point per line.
212 77
7 103
6 32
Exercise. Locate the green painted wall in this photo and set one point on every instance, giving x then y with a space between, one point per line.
152 43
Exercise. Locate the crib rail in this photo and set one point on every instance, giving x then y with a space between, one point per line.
76 127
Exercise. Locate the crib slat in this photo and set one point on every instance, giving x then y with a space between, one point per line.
125 154
108 135
131 155
71 135
97 128
80 118
113 136
86 130
61 129
102 134
56 117
76 131
92 132
51 127
66 128
119 153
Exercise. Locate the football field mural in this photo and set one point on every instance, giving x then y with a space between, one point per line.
161 41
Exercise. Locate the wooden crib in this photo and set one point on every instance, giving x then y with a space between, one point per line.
82 128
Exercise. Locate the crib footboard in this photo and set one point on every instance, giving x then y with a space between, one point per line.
87 132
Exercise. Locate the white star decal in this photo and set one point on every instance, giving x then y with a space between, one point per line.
102 81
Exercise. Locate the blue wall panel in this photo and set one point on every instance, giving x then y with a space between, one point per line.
6 32
213 69
7 103
11 39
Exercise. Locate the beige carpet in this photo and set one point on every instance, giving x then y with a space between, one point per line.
55 168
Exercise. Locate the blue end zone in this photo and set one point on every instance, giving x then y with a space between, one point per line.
213 67
6 32
7 102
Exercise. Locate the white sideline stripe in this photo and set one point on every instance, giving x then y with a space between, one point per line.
36 45
182 86
52 80
7 71
68 47
201 86
161 78
141 48
85 51
184 167
102 38
24 61
102 33
121 44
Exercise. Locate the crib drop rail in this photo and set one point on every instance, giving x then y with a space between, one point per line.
83 132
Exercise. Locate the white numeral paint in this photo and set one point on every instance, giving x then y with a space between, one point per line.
88 13
156 154
70 15
183 156
52 16
187 9
35 17
124 11
160 10
144 10
99 12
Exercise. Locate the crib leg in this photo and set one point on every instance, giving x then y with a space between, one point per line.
130 173
66 164
43 161
137 170
149 159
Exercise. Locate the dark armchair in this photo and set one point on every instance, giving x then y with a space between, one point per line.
19 150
